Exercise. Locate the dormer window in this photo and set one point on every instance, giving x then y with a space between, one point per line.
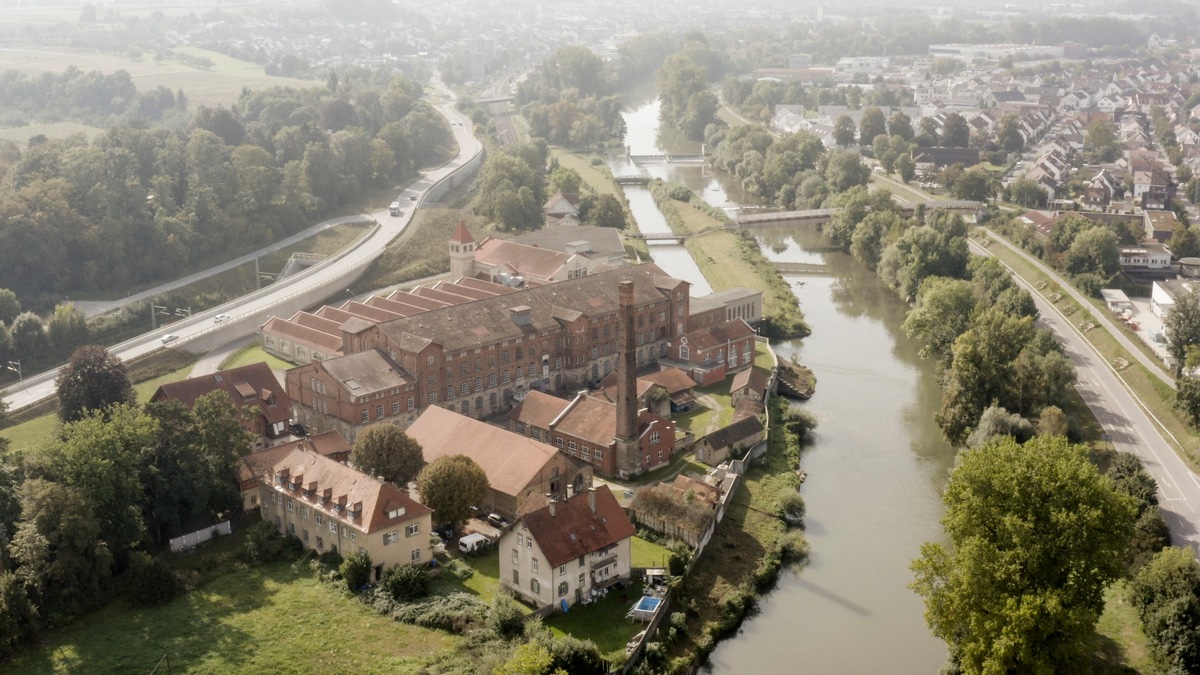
279 479
397 512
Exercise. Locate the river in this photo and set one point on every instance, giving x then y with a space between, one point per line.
875 472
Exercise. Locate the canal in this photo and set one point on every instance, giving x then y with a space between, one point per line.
875 472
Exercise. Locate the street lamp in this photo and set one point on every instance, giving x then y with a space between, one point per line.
15 366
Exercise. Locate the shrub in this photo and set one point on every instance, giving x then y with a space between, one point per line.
356 571
680 554
264 545
793 546
455 613
506 618
17 613
577 657
405 583
791 506
680 193
154 582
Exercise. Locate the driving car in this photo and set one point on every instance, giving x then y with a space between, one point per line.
220 318
169 337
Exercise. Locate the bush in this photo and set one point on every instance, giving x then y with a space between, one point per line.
506 618
577 657
405 583
456 613
793 546
356 571
678 192
264 545
791 506
681 553
154 582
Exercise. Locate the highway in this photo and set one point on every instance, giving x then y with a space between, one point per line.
251 311
1126 423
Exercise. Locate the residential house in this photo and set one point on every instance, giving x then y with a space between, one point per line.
331 507
562 209
516 466
1153 189
559 553
684 509
932 160
252 388
1101 189
330 444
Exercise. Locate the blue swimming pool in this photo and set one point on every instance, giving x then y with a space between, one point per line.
648 604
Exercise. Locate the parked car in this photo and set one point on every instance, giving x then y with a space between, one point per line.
497 521
220 318
412 198
169 337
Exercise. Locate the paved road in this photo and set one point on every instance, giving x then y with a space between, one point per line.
1128 425
1154 366
249 312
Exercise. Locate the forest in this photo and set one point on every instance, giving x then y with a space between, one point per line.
138 204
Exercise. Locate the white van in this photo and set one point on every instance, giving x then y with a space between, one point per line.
394 208
473 543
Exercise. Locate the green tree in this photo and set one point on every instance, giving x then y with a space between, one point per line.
451 486
1093 251
385 450
68 327
955 132
871 124
900 124
975 184
1027 193
1101 141
1182 326
996 421
905 167
92 380
10 307
1166 595
1184 243
405 583
64 565
1187 399
1052 421
607 211
1036 535
566 181
17 613
1009 135
844 131
941 313
28 334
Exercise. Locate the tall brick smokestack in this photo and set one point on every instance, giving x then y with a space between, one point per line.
627 405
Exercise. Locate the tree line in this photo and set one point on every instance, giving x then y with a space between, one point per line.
79 511
571 99
88 97
137 204
683 85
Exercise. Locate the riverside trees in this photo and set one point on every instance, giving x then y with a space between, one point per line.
1036 535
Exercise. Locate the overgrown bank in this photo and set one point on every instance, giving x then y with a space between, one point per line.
730 259
746 553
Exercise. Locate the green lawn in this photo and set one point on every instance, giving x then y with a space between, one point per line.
485 580
28 434
649 554
1121 645
276 619
602 622
253 354
762 357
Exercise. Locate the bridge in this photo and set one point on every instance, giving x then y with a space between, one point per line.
815 216
666 159
632 179
671 236
814 269
494 99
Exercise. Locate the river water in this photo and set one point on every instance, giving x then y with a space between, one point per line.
875 472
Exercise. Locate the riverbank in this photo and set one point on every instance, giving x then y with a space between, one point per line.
747 551
730 259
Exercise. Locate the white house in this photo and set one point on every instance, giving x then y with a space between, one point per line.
1146 256
561 552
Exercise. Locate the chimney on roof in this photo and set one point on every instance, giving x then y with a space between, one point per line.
521 315
592 499
551 505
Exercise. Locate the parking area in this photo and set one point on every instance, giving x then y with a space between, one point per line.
1147 325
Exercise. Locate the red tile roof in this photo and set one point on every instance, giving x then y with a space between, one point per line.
575 530
328 444
461 234
319 476
512 462
253 384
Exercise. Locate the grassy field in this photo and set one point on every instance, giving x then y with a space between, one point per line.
485 580
28 434
1121 645
276 619
253 354
221 85
21 135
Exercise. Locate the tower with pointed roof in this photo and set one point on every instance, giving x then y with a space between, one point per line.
462 253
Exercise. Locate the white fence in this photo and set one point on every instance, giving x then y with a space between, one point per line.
192 539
